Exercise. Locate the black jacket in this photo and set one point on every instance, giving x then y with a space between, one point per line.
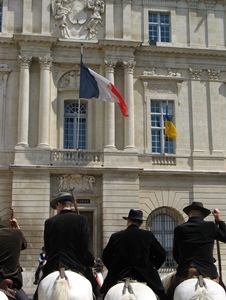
133 252
67 242
12 241
193 245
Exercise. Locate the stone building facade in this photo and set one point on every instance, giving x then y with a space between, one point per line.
158 53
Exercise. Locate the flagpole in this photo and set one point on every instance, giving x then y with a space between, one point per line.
79 106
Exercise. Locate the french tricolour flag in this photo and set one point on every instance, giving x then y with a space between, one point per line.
93 85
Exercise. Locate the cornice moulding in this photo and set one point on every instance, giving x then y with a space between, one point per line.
156 77
183 51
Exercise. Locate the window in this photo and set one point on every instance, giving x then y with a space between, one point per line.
75 124
159 27
160 143
0 17
162 222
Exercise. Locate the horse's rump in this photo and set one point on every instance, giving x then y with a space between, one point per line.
71 287
190 289
3 296
131 290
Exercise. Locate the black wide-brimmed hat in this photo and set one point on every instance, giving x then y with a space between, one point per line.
134 215
197 206
62 196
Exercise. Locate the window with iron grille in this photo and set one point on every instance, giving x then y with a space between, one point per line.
162 222
160 143
75 124
159 27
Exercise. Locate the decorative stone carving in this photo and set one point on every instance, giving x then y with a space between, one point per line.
192 3
76 183
129 66
69 80
24 60
73 18
162 88
98 9
195 74
210 4
151 72
45 62
110 65
170 73
60 13
213 75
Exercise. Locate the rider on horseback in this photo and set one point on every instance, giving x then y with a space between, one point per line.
193 245
134 253
67 240
12 241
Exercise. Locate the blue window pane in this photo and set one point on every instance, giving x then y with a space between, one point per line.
155 121
155 107
74 126
153 18
159 27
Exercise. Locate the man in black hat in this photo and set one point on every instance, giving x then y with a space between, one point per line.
67 240
134 253
193 245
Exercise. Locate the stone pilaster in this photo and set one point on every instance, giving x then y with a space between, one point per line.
110 19
215 112
198 112
27 16
126 19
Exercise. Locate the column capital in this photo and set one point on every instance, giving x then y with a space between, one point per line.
110 65
213 74
195 74
45 62
24 60
210 4
129 66
192 3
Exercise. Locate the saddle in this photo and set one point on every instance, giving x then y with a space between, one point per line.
4 287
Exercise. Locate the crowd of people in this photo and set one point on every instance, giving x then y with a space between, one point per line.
133 252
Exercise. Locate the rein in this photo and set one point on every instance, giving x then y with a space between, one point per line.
219 257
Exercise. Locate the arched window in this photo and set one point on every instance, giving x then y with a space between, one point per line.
162 222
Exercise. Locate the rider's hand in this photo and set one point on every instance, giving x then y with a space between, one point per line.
217 214
14 223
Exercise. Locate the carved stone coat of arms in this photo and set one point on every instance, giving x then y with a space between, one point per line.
78 19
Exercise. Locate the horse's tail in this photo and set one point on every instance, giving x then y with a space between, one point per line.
61 290
129 297
201 291
201 294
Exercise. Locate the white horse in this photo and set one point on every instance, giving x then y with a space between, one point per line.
3 296
130 290
66 285
192 289
195 289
